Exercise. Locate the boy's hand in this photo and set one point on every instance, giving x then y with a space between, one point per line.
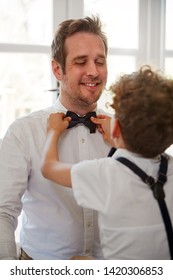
58 122
104 127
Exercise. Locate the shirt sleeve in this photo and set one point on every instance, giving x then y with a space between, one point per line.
89 184
13 182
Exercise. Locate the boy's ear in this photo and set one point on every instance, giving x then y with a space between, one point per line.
57 70
116 131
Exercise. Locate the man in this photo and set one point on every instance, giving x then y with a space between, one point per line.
53 225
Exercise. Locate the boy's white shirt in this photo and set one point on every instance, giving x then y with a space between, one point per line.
130 221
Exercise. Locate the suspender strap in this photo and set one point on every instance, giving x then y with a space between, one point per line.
111 152
157 187
168 224
158 192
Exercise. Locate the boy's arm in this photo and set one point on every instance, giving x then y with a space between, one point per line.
51 168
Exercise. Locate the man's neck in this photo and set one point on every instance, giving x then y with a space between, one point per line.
79 110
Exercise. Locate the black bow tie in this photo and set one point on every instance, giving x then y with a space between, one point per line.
75 119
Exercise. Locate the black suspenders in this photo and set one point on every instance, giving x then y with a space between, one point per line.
111 152
158 192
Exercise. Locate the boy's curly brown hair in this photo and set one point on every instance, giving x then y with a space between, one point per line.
143 103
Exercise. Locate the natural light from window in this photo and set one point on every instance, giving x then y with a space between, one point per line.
25 76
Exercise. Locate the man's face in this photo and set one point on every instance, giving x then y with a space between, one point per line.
85 70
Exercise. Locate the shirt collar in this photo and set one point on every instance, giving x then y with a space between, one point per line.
60 108
134 157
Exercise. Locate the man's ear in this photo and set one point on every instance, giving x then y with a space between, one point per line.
57 69
116 131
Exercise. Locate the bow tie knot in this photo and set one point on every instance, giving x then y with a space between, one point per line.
75 120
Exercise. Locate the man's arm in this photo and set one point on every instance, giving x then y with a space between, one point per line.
7 238
13 182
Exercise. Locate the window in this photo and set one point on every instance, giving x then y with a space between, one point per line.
169 39
25 22
25 76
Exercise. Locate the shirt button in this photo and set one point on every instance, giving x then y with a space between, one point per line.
83 140
88 224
